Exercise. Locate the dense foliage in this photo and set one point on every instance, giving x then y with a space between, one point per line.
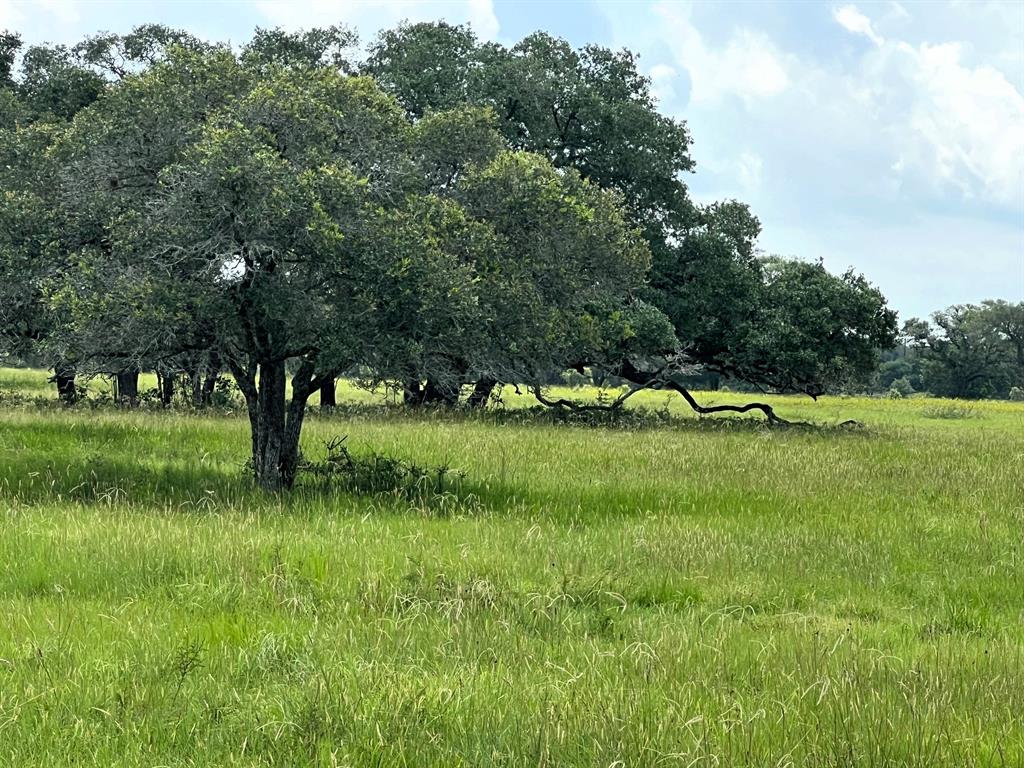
967 351
443 213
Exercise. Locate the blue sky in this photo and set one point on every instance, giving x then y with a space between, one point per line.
887 136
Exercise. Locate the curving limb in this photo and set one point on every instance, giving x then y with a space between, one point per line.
766 409
572 405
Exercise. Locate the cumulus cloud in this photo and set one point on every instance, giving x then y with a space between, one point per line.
748 66
854 21
663 83
950 122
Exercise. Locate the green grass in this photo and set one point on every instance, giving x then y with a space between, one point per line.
685 593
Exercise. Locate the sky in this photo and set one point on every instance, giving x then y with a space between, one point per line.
884 136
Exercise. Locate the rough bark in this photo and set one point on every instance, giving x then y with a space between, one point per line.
664 380
269 432
274 420
64 377
165 385
412 392
212 373
127 387
440 394
328 395
481 393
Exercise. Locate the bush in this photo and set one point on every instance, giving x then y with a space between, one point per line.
1017 394
903 386
377 475
894 394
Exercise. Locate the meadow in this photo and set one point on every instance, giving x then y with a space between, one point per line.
668 591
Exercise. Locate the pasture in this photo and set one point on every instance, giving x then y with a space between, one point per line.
665 592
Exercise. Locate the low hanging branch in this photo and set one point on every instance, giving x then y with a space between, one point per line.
766 409
661 380
572 405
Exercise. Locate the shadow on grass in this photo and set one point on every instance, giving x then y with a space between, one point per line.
108 462
93 480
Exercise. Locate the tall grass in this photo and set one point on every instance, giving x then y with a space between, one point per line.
658 593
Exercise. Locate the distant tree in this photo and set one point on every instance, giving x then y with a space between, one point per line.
118 56
787 325
10 44
1008 321
331 47
54 85
973 350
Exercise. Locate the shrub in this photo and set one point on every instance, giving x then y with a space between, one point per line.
1017 394
378 475
903 386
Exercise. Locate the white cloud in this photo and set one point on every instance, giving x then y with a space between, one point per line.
854 21
369 16
483 19
897 11
971 118
950 123
663 83
749 66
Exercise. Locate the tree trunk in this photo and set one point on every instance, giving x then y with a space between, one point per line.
64 377
210 381
195 386
128 386
412 392
481 393
437 393
269 427
328 395
165 382
277 424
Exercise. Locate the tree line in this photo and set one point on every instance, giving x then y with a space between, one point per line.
440 215
965 351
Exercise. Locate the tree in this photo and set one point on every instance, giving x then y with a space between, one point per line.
10 44
118 56
428 67
54 85
329 47
590 110
222 208
1008 321
973 351
282 216
32 246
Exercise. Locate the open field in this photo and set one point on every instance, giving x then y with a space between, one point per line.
685 593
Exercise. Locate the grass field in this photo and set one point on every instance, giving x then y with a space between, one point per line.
682 593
